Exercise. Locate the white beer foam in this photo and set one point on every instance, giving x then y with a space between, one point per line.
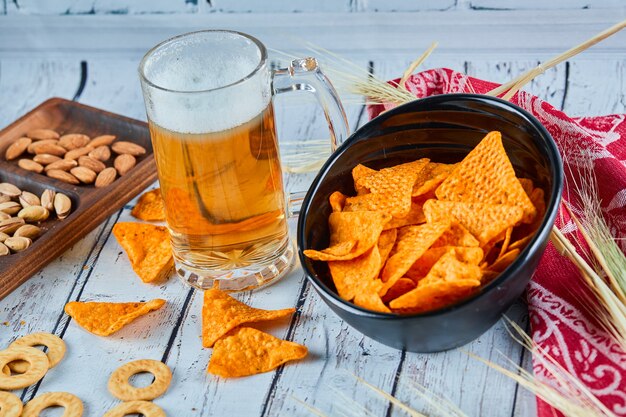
206 61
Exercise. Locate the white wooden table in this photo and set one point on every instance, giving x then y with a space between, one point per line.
41 58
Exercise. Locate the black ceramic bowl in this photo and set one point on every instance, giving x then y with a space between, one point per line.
443 128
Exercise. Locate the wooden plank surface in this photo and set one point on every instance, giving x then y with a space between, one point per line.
96 269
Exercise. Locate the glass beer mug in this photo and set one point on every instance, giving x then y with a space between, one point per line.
208 98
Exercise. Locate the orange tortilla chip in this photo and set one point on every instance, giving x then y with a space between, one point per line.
368 297
246 351
411 243
337 200
521 243
359 172
504 261
402 286
386 203
484 221
507 241
352 277
221 313
104 319
456 235
150 207
364 227
486 176
448 281
148 249
527 185
423 265
431 177
415 216
386 242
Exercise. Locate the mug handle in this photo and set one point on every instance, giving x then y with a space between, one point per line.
305 75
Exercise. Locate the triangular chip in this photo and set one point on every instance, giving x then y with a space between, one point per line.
423 265
386 242
104 319
337 200
150 207
148 248
414 216
247 351
504 261
402 286
411 243
364 227
358 173
484 221
221 313
431 177
368 297
456 235
352 276
486 176
448 281
507 241
386 203
527 185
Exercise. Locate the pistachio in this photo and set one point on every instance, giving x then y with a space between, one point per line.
10 207
84 174
33 214
18 244
9 226
62 205
122 147
4 216
4 250
17 148
42 134
4 198
28 230
9 190
30 165
46 158
29 199
47 199
3 237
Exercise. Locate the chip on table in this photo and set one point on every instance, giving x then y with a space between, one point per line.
423 235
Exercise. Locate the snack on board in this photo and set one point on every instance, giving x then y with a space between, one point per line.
72 404
150 207
104 319
429 234
74 158
148 248
145 408
37 367
56 349
120 387
221 313
10 404
247 351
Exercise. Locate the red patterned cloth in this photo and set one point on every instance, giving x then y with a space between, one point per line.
559 321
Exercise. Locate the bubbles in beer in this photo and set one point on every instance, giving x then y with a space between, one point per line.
213 61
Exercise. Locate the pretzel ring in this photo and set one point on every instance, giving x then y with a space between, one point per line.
121 388
145 408
55 345
72 404
38 366
10 404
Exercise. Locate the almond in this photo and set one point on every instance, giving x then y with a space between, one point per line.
46 158
84 174
42 134
74 141
76 153
124 163
64 176
101 153
102 140
122 147
91 163
62 164
106 177
62 205
30 165
48 148
17 148
34 145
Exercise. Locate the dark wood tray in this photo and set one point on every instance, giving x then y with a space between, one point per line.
90 205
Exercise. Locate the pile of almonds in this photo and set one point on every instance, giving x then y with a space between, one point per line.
20 210
74 158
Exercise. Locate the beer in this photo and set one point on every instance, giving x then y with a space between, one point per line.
223 193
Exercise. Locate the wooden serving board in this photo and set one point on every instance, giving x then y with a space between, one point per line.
90 205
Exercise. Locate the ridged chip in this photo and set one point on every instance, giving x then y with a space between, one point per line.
423 265
431 177
352 276
150 207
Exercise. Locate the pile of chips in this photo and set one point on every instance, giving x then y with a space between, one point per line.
239 350
423 235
